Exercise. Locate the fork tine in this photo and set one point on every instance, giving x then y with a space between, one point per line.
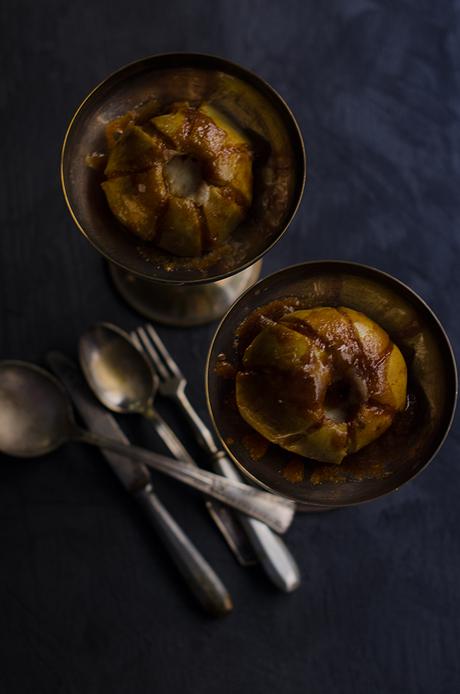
135 338
147 346
160 347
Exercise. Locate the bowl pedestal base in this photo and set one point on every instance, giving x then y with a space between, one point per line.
182 305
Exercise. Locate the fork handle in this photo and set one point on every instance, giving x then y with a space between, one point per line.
198 574
201 431
273 554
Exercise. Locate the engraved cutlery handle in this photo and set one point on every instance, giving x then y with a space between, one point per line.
275 511
200 577
272 552
198 574
224 518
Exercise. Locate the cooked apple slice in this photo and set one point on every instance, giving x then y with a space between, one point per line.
180 228
327 442
265 403
276 346
285 378
137 200
175 126
367 425
332 327
222 214
265 408
390 380
135 151
233 166
373 339
234 134
116 127
205 139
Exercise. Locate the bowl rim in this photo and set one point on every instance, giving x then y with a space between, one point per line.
371 270
235 69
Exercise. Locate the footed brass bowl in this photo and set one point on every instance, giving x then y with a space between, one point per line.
404 449
279 172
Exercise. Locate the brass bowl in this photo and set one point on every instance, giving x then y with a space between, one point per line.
388 462
168 78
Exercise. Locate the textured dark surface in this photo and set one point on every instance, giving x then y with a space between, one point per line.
88 600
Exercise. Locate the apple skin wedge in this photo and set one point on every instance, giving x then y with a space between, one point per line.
222 215
333 328
115 128
136 151
137 200
263 402
180 228
233 167
175 126
281 391
277 346
234 135
369 423
388 378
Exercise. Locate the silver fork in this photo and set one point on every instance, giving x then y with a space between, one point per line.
222 515
274 556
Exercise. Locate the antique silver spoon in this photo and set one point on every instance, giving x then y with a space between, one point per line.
36 418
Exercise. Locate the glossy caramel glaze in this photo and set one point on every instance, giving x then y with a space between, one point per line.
321 382
180 179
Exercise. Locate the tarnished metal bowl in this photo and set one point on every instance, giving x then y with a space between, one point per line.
279 175
398 455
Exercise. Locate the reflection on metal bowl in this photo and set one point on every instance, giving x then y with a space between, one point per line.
399 454
279 173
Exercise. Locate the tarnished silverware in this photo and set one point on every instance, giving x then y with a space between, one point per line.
202 580
125 382
274 556
28 431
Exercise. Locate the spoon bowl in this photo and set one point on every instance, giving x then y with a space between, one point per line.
35 415
117 372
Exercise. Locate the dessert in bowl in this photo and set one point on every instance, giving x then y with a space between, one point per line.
183 170
331 383
322 382
181 180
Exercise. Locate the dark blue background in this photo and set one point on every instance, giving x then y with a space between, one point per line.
88 600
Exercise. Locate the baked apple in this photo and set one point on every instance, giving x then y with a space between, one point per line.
181 180
322 382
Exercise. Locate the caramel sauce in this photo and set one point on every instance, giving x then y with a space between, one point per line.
294 471
224 368
256 445
260 318
96 161
225 255
373 462
348 472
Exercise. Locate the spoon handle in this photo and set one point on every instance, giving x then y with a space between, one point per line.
275 511
200 577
